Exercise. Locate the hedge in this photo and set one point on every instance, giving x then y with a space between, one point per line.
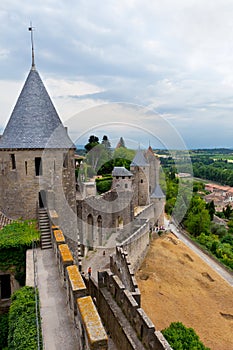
22 321
3 330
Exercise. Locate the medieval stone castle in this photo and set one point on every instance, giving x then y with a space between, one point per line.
38 171
37 177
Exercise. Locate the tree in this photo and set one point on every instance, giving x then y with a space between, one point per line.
211 209
97 153
182 338
92 142
106 142
97 156
198 218
107 146
227 211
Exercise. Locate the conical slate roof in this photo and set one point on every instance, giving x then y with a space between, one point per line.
158 193
34 122
139 159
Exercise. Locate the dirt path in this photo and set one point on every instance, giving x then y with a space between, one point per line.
176 285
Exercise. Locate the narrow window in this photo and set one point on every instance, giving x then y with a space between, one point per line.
141 181
5 286
38 166
126 185
26 167
65 160
13 162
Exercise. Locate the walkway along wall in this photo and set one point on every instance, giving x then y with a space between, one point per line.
91 333
118 307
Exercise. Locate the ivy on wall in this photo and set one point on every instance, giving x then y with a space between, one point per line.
15 239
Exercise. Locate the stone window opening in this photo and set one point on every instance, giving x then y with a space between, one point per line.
126 185
141 181
5 286
26 167
13 162
65 160
38 166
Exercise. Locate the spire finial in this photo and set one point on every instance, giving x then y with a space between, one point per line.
31 28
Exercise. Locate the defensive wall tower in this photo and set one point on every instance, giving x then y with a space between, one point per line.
36 157
140 169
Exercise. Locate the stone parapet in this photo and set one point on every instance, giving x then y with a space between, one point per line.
57 239
75 286
92 334
65 259
141 323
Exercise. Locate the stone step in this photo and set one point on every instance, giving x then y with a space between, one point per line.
45 229
43 214
47 246
46 241
45 226
46 235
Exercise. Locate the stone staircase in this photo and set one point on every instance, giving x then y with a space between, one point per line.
45 230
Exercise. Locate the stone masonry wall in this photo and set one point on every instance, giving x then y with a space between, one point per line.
121 267
137 245
20 187
107 209
142 325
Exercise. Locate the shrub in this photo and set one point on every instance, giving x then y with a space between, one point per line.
22 321
3 330
182 338
103 184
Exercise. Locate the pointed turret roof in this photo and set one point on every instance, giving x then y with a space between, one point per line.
158 193
34 122
139 159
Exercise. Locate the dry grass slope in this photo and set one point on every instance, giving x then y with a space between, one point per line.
176 285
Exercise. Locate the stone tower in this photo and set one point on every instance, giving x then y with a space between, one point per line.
140 169
154 163
122 179
36 157
158 199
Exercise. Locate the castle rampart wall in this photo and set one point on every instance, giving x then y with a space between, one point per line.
109 284
137 245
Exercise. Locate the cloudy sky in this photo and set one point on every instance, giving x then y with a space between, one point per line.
120 67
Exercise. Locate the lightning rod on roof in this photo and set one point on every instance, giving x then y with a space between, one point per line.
31 28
